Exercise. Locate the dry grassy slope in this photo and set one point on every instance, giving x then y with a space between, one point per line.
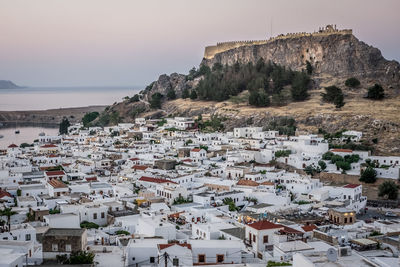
377 119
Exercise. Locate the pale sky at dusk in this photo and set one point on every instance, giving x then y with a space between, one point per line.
127 42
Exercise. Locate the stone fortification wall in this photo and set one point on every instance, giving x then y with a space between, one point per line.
211 51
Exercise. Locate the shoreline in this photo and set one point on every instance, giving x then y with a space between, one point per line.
47 117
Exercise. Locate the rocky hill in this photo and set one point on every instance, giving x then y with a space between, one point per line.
8 85
334 56
331 55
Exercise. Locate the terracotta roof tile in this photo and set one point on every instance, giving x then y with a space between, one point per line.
265 225
155 180
309 228
57 183
351 186
247 182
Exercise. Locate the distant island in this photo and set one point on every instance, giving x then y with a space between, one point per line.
4 84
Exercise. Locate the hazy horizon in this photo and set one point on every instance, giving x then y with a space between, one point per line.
47 43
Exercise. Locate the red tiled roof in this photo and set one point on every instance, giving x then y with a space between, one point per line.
264 225
187 160
289 230
247 182
309 228
164 246
55 173
134 159
267 183
12 146
48 145
351 186
140 167
57 183
91 179
4 194
195 150
341 150
155 180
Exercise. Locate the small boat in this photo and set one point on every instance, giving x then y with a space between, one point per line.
42 134
17 132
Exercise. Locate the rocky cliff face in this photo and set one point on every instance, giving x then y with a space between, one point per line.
175 81
335 55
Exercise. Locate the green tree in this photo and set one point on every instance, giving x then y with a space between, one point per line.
327 156
171 94
193 95
322 164
7 212
204 69
282 153
368 175
300 86
352 82
185 93
155 101
344 165
376 92
63 128
388 189
309 67
259 98
89 117
339 101
89 225
333 95
134 98
80 257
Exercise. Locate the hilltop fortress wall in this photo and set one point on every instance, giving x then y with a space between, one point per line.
211 51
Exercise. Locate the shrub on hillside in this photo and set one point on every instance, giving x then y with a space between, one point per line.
368 175
334 95
352 82
376 92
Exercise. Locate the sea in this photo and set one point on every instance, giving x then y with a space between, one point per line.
42 98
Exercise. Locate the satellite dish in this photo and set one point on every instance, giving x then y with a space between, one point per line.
332 255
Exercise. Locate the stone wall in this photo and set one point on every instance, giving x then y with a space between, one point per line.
211 51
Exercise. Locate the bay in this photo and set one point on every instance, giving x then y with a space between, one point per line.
26 135
42 98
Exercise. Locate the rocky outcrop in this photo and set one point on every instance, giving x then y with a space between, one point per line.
335 55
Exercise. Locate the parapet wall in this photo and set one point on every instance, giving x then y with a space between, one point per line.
211 51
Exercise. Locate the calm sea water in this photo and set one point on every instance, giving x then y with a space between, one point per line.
26 135
53 98
38 98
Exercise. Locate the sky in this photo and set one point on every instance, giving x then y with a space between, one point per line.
131 43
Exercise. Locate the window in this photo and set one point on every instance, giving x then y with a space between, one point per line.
102 215
27 237
345 220
254 238
265 239
152 259
220 258
202 258
94 216
68 248
54 247
175 262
